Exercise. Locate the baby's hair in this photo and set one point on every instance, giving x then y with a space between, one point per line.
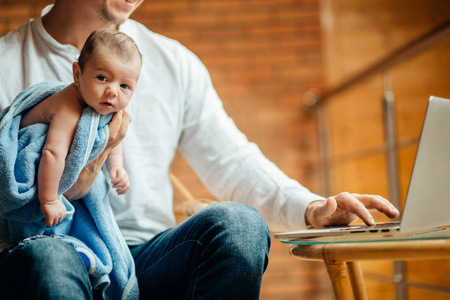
110 40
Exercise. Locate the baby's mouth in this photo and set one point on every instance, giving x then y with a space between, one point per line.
106 104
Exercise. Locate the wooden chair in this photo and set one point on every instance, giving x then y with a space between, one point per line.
342 259
184 203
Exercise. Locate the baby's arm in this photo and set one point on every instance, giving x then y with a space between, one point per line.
119 177
59 138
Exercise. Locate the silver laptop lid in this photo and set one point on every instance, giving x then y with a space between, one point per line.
428 198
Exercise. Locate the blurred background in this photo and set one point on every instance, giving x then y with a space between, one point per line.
333 92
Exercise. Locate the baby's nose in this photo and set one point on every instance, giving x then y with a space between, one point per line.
111 91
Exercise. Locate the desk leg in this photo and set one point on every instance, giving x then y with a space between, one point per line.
357 280
337 271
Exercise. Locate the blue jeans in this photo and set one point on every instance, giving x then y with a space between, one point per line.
219 253
43 269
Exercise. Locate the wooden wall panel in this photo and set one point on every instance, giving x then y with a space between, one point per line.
357 34
380 290
363 175
421 294
355 119
414 82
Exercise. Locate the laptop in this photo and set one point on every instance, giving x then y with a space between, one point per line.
427 208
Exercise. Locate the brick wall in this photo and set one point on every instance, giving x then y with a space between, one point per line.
262 56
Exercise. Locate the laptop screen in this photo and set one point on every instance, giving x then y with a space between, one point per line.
428 198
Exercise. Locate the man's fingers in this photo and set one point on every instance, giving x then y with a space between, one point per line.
350 203
379 203
115 124
328 209
124 125
389 209
345 208
321 212
118 127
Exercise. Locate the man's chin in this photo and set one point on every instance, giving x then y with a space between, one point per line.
116 19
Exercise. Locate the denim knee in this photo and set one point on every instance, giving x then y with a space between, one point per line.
235 243
237 216
46 268
239 225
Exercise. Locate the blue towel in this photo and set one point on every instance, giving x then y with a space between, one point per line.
89 225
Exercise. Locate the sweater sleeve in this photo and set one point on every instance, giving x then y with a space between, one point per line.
230 166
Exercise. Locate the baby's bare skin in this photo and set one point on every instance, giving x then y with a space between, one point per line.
65 100
105 82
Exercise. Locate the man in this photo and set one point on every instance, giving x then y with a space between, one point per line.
219 253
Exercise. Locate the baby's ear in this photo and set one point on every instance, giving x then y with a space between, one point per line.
76 70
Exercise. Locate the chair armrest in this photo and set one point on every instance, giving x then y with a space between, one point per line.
184 202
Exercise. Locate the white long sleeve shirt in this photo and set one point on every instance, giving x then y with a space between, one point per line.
174 106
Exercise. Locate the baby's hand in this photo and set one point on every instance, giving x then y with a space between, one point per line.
119 180
54 212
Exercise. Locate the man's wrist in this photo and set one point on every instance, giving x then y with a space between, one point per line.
96 165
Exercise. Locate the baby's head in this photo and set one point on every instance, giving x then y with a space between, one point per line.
107 70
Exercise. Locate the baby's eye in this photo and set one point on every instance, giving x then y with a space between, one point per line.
124 86
101 78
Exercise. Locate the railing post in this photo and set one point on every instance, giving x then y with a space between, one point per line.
310 99
325 152
390 130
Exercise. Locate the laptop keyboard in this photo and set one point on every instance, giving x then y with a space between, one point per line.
385 225
380 227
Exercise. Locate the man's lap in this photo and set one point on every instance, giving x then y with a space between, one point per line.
185 259
46 268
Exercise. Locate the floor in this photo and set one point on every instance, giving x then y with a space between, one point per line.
290 279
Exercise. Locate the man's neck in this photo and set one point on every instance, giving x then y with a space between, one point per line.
68 23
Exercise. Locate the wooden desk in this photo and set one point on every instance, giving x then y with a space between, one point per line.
342 259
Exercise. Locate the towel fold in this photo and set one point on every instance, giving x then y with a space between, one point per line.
89 225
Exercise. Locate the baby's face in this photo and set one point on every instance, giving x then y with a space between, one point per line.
107 82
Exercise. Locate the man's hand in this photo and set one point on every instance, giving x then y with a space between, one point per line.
345 208
118 127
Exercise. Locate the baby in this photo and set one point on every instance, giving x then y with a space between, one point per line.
105 78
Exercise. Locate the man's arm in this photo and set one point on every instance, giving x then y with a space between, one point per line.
117 129
235 169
